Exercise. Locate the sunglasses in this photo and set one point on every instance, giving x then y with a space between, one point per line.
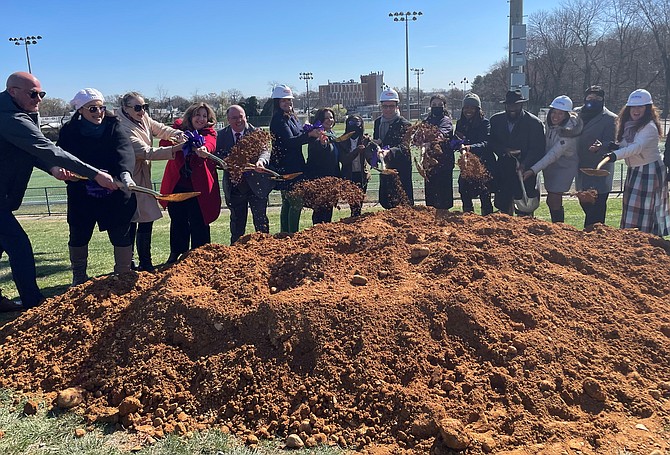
354 122
141 107
34 94
94 109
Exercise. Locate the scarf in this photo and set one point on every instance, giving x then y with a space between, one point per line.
384 125
630 128
89 129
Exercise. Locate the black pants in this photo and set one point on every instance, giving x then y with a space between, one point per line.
81 232
241 199
322 215
361 180
15 242
595 213
485 198
187 224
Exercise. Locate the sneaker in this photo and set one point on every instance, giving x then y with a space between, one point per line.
7 306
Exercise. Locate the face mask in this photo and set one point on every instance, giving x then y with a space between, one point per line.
593 106
437 111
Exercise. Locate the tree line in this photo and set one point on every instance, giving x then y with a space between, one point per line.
621 45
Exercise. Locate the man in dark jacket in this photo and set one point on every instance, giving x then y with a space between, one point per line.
515 129
253 190
389 131
599 125
22 147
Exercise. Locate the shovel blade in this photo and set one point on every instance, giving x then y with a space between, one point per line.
178 197
288 176
595 172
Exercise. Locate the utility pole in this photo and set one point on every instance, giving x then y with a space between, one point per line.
418 72
406 17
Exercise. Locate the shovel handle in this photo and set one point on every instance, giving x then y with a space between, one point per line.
603 162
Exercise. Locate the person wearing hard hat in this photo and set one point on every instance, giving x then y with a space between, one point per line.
645 193
389 130
599 124
560 164
517 139
287 157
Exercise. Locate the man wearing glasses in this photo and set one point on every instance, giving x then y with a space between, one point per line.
22 147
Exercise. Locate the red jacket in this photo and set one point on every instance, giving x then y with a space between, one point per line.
204 177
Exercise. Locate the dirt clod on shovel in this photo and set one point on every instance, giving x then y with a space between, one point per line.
512 336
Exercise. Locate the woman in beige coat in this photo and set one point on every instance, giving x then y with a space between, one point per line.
142 129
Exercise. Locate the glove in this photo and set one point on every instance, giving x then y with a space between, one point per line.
127 179
611 155
612 146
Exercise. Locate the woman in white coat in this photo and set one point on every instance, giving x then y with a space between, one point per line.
645 193
142 129
560 164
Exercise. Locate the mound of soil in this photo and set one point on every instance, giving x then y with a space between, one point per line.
393 332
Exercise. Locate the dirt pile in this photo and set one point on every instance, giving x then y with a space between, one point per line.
490 334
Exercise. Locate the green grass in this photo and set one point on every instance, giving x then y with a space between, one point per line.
47 433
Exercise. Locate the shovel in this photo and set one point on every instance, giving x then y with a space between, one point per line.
175 197
385 171
597 172
527 204
216 159
275 175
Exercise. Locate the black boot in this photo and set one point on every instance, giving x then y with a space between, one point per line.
487 207
144 252
557 216
467 205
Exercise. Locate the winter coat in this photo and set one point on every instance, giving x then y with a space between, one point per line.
527 135
22 147
142 138
599 128
112 152
398 158
260 183
203 178
287 142
475 133
322 159
560 164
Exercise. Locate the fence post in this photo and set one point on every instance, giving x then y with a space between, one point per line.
46 197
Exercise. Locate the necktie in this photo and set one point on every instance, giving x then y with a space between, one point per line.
237 137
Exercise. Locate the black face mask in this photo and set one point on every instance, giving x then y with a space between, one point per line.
437 111
593 106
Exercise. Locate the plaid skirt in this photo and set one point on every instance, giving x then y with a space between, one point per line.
645 199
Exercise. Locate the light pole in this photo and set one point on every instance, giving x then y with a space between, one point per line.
26 41
464 82
406 17
306 77
452 88
418 72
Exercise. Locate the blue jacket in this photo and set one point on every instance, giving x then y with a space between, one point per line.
287 142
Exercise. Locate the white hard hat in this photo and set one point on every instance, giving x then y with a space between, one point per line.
389 95
639 97
562 103
282 91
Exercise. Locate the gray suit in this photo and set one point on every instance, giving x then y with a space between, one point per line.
601 128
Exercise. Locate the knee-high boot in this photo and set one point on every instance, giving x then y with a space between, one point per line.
78 263
144 251
122 257
557 216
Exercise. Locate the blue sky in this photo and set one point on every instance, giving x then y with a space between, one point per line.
185 47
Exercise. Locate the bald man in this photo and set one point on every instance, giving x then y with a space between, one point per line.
253 190
22 147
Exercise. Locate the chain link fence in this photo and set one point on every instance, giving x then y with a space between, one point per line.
53 200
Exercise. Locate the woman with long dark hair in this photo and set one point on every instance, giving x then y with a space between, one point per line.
287 157
645 194
96 137
188 171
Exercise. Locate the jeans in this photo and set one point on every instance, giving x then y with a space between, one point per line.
15 242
